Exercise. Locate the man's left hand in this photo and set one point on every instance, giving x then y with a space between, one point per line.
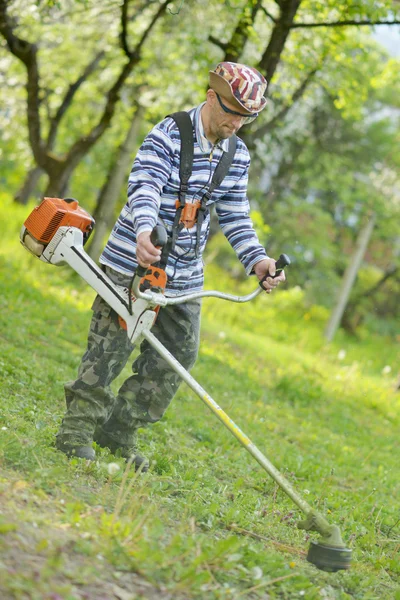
267 267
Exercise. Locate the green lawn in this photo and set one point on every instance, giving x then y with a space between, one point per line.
206 522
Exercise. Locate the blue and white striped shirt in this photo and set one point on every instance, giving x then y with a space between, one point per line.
152 193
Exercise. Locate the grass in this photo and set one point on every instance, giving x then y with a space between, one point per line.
206 522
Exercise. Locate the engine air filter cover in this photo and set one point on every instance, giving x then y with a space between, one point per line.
53 213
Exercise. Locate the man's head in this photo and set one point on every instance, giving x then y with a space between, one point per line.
235 98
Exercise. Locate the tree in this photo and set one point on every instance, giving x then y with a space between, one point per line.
33 176
325 180
109 193
60 167
277 22
288 16
312 147
349 277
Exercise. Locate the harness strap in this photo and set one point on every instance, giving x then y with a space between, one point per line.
185 126
223 166
220 173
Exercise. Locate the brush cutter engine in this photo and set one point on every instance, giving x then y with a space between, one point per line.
45 220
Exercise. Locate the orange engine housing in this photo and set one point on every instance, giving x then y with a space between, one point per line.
52 213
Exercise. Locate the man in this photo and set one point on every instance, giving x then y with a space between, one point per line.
235 98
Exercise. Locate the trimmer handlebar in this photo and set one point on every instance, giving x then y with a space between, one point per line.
159 238
161 300
282 262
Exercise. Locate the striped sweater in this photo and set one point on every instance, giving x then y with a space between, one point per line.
153 190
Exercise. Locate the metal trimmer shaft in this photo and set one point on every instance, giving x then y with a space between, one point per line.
329 553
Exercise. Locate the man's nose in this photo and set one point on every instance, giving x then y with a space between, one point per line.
237 120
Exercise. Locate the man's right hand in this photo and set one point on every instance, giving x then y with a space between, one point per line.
146 252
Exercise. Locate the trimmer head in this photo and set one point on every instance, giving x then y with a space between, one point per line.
329 558
329 553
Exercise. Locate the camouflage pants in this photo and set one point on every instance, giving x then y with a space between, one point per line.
144 397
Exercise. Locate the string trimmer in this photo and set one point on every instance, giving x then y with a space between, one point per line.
56 232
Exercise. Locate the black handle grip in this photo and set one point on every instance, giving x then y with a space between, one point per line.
282 262
159 236
140 271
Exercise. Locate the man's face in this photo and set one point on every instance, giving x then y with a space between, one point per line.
224 124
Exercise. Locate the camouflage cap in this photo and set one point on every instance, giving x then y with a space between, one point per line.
241 85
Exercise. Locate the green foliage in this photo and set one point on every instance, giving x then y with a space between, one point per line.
314 177
330 174
206 522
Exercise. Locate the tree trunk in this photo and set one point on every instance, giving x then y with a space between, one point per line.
60 169
236 45
29 187
59 177
349 277
348 322
272 54
108 196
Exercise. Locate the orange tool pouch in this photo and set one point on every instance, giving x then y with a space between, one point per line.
189 213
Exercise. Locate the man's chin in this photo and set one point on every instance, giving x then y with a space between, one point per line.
224 134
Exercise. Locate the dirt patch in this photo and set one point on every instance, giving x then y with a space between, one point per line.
39 561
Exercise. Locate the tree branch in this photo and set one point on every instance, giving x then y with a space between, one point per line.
124 28
351 307
280 32
234 48
347 23
268 14
27 54
392 270
154 20
81 146
281 114
65 104
217 42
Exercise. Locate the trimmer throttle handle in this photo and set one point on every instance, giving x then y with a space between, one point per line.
140 271
282 262
158 236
